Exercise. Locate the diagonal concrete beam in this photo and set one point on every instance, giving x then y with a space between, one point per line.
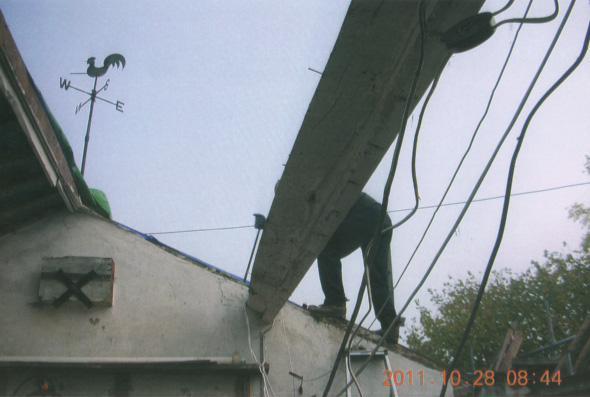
352 120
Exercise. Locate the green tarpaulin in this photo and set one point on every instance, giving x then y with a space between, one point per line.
94 199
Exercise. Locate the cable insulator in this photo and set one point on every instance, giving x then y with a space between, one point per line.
469 33
259 221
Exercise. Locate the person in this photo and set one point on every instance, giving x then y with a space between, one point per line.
356 231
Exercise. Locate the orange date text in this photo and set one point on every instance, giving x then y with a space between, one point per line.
479 378
399 377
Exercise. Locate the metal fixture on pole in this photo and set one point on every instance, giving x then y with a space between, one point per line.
259 222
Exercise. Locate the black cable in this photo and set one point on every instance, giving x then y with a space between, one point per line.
462 159
548 18
415 187
457 222
202 230
376 237
480 123
509 187
370 295
415 145
507 6
414 155
474 201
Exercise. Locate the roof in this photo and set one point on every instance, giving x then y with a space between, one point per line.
38 174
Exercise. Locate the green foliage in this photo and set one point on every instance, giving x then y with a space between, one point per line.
562 279
581 214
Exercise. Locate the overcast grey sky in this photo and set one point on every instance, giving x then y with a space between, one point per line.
214 94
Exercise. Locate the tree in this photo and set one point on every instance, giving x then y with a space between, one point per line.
581 214
562 279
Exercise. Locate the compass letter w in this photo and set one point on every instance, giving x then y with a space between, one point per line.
64 83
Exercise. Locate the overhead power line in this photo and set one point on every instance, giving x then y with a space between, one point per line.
203 230
495 197
213 229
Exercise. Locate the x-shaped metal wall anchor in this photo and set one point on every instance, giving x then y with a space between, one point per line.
74 289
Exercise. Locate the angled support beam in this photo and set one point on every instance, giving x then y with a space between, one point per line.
352 120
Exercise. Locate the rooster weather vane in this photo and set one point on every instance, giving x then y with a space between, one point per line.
96 72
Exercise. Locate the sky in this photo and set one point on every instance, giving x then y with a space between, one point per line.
214 95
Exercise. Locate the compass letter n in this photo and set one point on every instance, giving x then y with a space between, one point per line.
64 83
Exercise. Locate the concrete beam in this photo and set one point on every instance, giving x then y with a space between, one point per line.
352 120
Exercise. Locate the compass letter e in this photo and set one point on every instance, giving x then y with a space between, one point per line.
119 106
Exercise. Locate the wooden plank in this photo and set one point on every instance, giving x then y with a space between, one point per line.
511 352
576 347
510 336
99 290
352 120
583 359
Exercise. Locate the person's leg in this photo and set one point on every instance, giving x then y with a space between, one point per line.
382 280
382 287
330 269
344 241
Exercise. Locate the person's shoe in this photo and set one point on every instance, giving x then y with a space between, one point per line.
338 310
392 336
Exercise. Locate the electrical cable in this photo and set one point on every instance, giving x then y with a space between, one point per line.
422 20
202 230
414 177
404 209
512 168
546 19
353 376
376 237
288 348
321 376
415 145
549 189
478 28
460 218
350 340
507 6
460 164
480 123
414 182
345 338
265 380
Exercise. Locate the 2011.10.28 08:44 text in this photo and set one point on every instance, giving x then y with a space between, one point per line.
481 378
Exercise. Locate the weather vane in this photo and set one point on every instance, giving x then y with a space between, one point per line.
96 72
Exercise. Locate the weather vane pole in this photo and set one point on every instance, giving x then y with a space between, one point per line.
93 71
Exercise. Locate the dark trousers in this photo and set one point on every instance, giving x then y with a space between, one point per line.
355 231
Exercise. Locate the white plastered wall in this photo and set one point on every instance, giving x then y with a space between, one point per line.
165 305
